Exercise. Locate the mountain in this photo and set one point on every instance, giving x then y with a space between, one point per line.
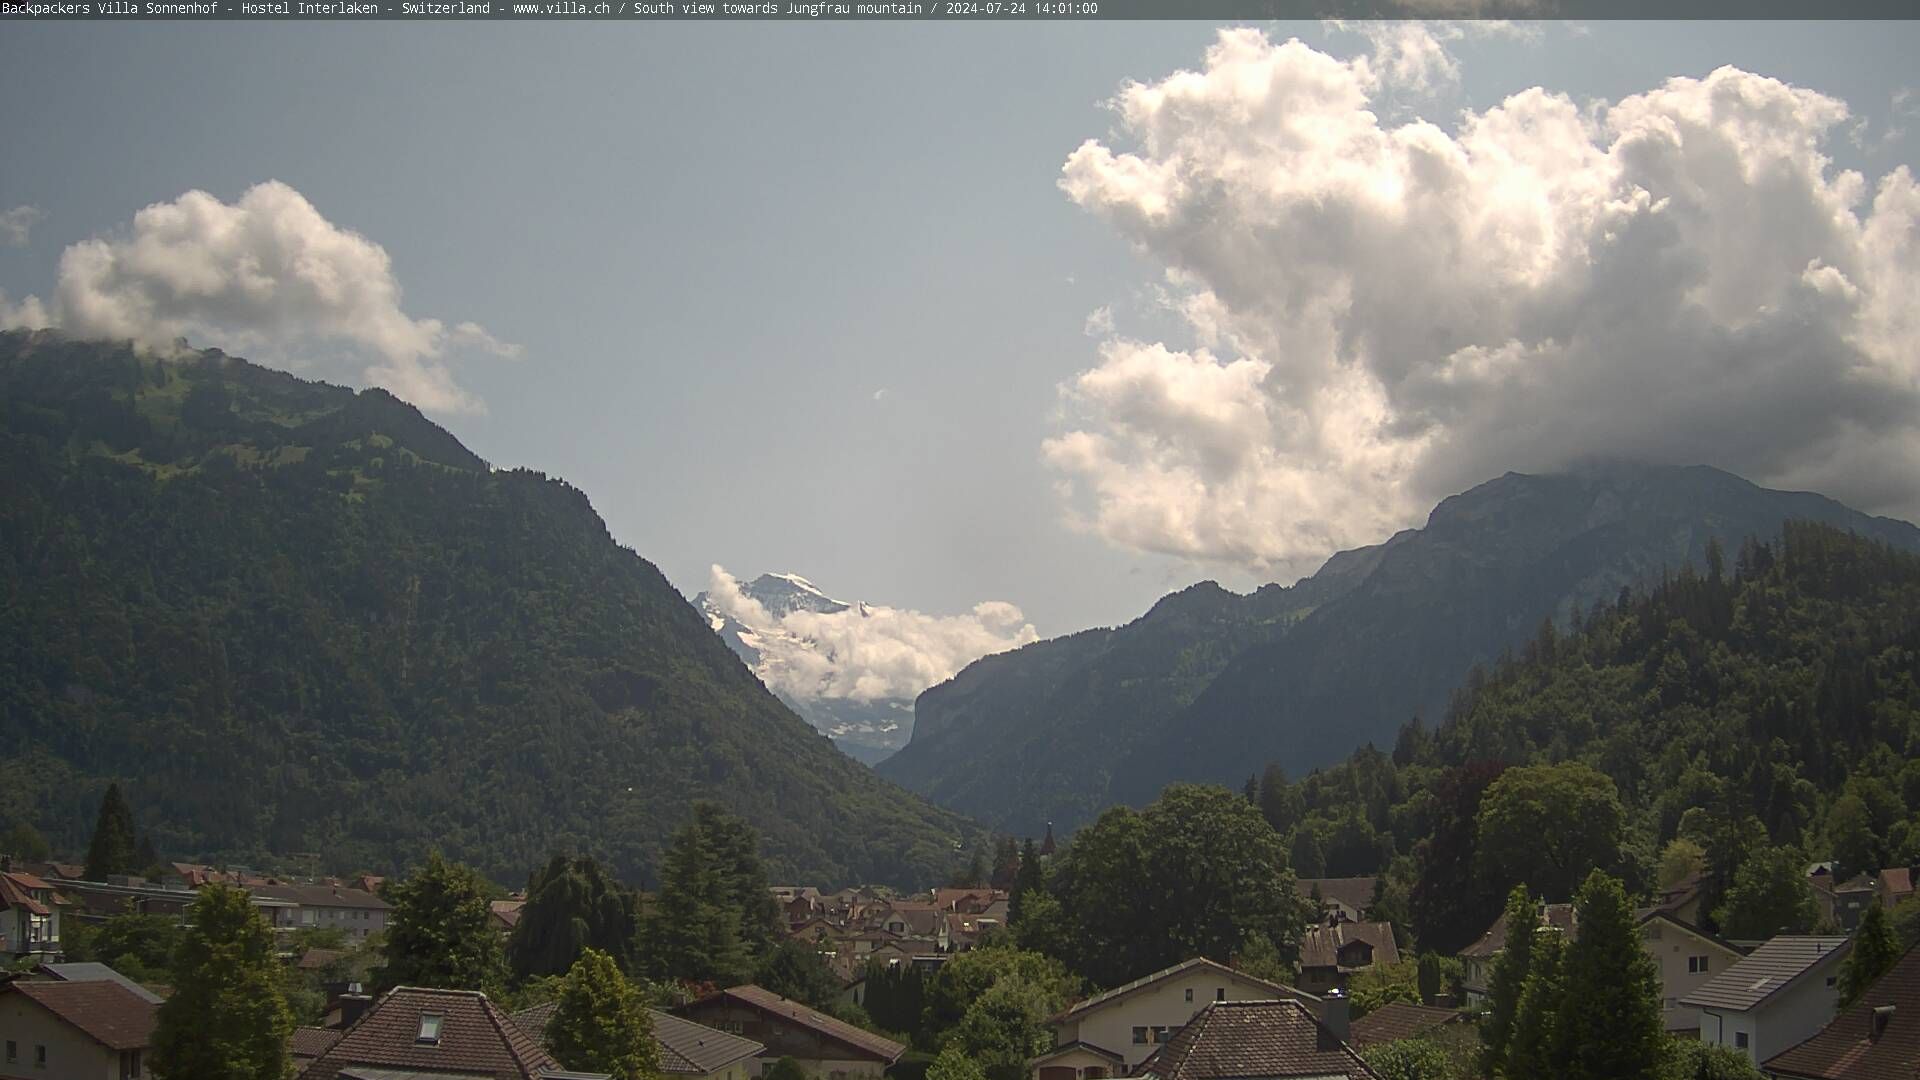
1221 684
867 731
288 617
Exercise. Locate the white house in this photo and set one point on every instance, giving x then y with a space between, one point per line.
1774 998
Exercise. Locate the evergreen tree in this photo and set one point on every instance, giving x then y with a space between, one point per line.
23 841
796 970
1533 1049
601 1023
112 850
1875 950
1610 1027
1030 876
440 932
741 876
1006 862
226 1019
1430 977
1510 968
571 906
1770 895
693 932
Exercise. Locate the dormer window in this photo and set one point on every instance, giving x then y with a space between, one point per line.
429 1029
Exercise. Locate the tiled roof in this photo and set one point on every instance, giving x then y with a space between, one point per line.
1096 1001
1254 1038
103 1010
92 972
534 1020
476 1038
14 893
1766 971
1354 892
1076 1045
1495 939
1320 947
1857 1045
338 896
820 1023
1398 1020
687 1047
311 1042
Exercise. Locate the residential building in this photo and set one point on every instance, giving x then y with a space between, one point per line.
91 972
355 912
413 1031
1341 899
1110 1034
1230 1040
1399 1020
1780 994
1477 958
686 1049
29 916
823 1045
95 1030
1876 1038
1329 955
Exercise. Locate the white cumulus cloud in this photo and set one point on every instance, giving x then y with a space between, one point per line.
16 225
866 652
1385 313
266 274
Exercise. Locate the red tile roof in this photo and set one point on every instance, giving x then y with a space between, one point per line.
475 1038
1398 1020
311 1042
1850 1048
1230 1039
14 892
820 1023
104 1011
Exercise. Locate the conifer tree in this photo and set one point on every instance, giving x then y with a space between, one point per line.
1533 1048
1510 968
1030 876
601 1023
112 849
226 1019
1875 950
1610 1026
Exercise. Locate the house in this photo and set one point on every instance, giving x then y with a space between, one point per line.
412 1031
356 912
1852 898
1876 1038
1478 957
1399 1020
1329 955
93 1030
823 1045
686 1048
504 915
1236 1039
1341 899
29 916
91 972
1110 1034
1683 899
1772 998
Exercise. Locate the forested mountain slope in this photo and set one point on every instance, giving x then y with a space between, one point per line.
290 617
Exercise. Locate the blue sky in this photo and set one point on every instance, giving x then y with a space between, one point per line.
795 296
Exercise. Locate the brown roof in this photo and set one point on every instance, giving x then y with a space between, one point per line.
818 1022
1254 1038
1398 1020
534 1020
1877 1039
311 1042
1354 892
1320 947
1559 916
687 1047
14 892
103 1010
475 1038
507 911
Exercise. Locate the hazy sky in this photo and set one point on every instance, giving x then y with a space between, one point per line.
857 301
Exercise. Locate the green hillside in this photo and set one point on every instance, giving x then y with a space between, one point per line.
288 617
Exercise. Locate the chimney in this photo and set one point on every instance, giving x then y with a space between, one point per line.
1334 1012
1882 1016
352 1004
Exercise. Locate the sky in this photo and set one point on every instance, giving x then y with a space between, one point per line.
953 318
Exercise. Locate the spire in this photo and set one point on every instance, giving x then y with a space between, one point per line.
1046 846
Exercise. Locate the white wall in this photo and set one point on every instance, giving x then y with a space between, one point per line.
1784 1020
1165 1005
70 1055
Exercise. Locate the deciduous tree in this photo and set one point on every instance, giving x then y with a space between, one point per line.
440 932
226 1019
601 1023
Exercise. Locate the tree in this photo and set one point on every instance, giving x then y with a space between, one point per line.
1534 1049
953 1064
1431 974
1259 958
601 1023
1611 1026
1856 847
1383 984
1679 860
1280 801
440 933
787 1069
23 841
1006 862
112 848
797 971
714 916
1694 1060
1906 922
141 947
1546 826
971 876
1875 950
1770 895
571 906
1201 871
1451 901
1411 1059
226 1019
1510 968
1005 1027
966 978
1030 876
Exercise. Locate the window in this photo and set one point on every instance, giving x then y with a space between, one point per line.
13 1050
129 1065
1162 1034
429 1029
40 1055
1189 993
1696 965
1739 1040
1139 1036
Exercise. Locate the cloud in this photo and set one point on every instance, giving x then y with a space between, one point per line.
865 652
16 225
1383 314
265 274
1099 321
